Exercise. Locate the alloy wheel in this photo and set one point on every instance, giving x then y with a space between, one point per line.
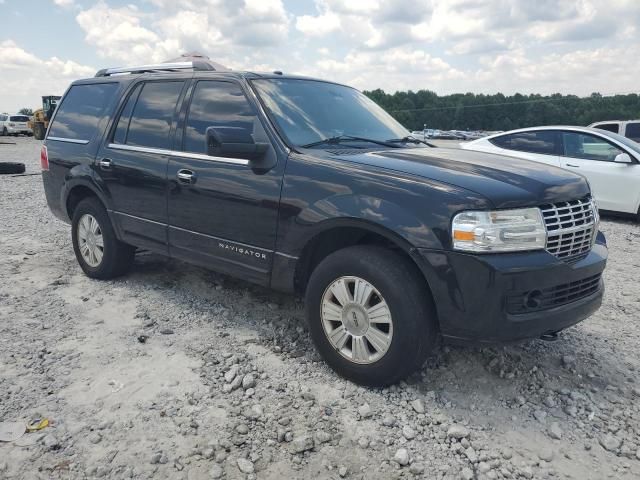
356 320
90 240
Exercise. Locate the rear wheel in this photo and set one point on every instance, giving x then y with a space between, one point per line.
5 132
98 251
370 315
39 131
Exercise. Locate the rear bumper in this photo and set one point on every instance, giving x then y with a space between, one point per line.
476 296
14 130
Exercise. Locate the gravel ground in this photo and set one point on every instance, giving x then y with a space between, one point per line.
175 372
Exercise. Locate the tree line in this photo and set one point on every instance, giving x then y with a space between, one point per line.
470 111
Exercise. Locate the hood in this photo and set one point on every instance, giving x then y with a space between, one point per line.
507 182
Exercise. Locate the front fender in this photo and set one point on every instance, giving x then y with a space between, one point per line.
375 214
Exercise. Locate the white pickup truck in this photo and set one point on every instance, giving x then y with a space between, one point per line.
626 128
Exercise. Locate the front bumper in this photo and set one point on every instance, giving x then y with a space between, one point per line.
474 294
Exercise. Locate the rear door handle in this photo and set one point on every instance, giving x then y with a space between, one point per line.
572 165
186 176
106 164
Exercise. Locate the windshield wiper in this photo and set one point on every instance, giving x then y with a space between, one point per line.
408 139
342 138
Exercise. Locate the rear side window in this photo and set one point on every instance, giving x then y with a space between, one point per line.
81 110
120 135
152 115
588 147
543 142
609 127
216 104
633 131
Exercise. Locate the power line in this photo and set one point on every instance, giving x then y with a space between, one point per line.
523 102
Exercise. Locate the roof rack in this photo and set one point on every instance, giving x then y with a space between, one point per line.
158 67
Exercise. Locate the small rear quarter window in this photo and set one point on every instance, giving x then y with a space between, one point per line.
81 109
633 131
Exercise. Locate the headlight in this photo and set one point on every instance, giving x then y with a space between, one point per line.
499 231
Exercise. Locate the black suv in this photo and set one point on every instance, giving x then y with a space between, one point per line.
308 186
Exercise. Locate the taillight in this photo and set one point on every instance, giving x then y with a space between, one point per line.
44 158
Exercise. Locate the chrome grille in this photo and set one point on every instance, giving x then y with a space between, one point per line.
571 227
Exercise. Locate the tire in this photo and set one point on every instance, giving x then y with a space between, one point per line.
410 336
39 131
9 168
5 133
116 258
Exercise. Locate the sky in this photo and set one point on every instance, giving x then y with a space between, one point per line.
448 46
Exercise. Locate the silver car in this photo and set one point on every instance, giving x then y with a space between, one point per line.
14 125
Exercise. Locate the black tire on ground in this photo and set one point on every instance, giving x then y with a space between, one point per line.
7 168
415 326
117 256
4 132
39 131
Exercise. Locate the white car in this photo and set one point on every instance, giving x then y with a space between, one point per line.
609 161
14 124
626 128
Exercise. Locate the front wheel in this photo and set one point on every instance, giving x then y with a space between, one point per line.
370 315
98 251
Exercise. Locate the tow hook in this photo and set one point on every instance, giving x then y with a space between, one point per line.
549 336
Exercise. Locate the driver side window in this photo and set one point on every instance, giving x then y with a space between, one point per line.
588 147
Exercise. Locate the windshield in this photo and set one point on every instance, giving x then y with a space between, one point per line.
308 111
19 118
630 144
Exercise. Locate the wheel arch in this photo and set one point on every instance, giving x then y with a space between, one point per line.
76 190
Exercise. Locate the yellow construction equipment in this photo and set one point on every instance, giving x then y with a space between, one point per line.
40 120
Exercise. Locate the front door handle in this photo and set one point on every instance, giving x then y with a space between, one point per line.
186 176
106 164
572 165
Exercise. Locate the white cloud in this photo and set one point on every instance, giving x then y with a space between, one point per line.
63 3
318 25
22 88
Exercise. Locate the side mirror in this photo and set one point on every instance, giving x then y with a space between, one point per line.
623 158
234 142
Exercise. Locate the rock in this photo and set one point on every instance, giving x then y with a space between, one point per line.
555 431
245 466
526 472
507 453
51 442
568 361
248 381
540 415
301 444
388 420
466 474
458 432
155 458
95 438
342 471
610 443
416 468
638 454
197 474
215 472
418 405
322 437
166 331
231 374
483 467
401 457
545 454
549 402
365 411
242 429
471 455
408 432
